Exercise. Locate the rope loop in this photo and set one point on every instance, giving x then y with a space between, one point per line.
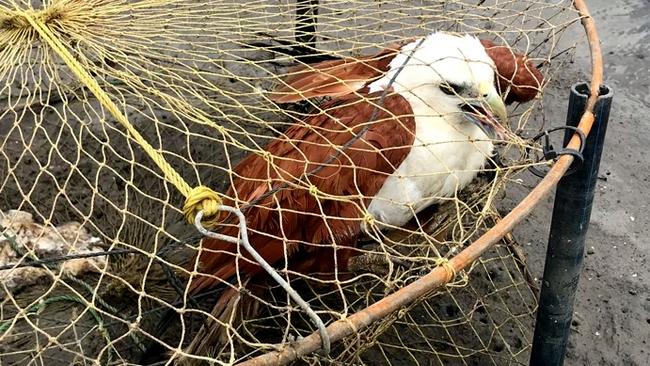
449 269
202 198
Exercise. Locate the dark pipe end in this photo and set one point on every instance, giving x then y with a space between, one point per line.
605 92
582 89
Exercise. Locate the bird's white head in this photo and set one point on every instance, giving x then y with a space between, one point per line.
453 76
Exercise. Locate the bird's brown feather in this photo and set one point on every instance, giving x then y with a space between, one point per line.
292 227
515 71
293 220
333 78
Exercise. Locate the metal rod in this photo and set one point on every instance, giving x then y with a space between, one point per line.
569 225
306 13
243 233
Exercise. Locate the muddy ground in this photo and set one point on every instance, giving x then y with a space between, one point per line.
612 310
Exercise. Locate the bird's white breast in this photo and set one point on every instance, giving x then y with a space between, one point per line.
445 158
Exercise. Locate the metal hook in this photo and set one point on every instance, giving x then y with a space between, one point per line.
550 153
325 339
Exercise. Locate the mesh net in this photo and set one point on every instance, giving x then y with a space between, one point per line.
94 249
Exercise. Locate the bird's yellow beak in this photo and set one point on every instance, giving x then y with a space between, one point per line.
493 100
488 111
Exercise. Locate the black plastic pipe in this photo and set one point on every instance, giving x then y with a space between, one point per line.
571 213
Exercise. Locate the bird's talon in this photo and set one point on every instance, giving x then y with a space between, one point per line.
376 263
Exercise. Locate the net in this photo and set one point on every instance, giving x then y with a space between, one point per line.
95 252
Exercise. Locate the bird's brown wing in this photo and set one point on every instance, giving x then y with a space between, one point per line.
339 78
515 71
319 210
333 78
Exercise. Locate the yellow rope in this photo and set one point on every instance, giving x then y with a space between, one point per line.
196 199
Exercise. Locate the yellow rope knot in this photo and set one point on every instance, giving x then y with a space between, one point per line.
204 199
369 219
267 156
313 190
449 269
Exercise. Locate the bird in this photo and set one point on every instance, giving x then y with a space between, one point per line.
518 80
400 131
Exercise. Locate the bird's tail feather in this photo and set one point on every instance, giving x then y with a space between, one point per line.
233 308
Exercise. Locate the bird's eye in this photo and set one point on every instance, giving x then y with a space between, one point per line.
450 88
